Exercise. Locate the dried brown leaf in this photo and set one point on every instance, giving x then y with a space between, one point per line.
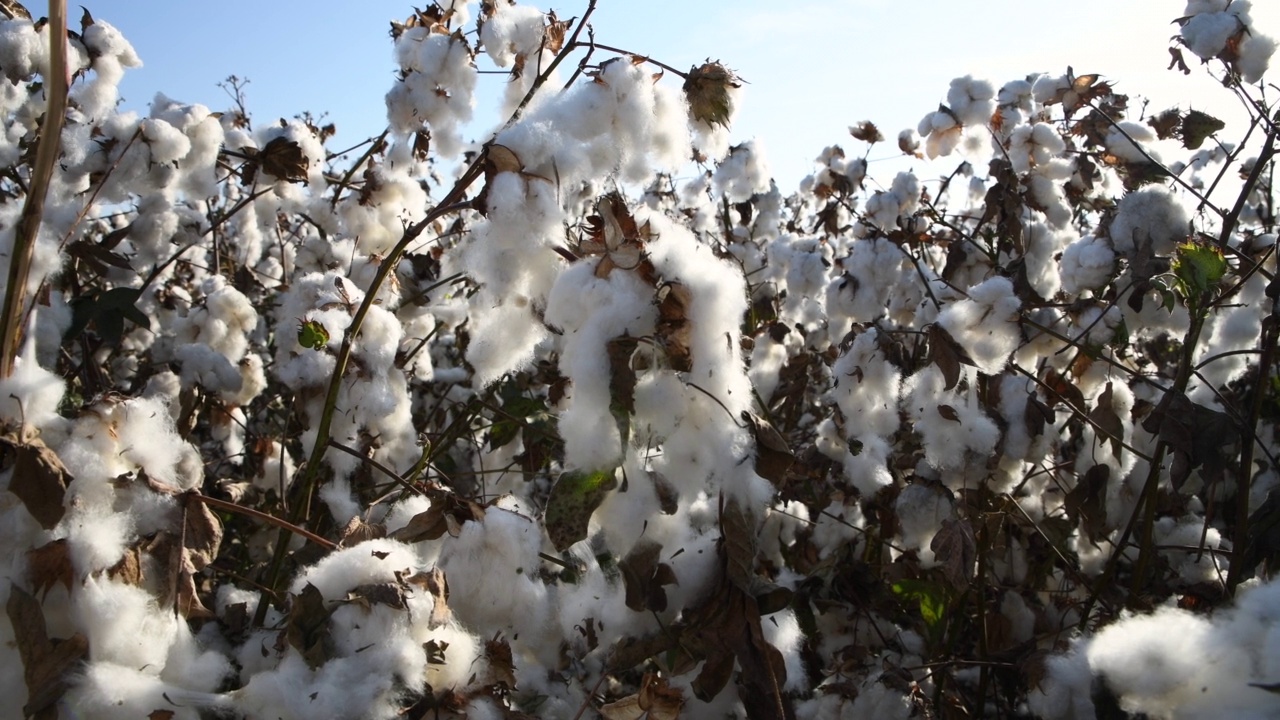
307 630
956 550
38 479
674 332
46 662
773 457
49 565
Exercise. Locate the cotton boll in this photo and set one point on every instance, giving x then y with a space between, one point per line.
984 324
96 538
1065 691
1156 663
1043 245
873 270
436 88
1152 214
1131 141
1191 566
782 631
743 174
591 312
1255 51
840 522
971 100
1206 34
113 691
1086 264
921 510
1031 145
493 564
868 469
370 562
867 387
948 443
942 133
346 688
31 394
139 634
204 366
505 338
148 438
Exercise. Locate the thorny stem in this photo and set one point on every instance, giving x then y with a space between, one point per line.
25 235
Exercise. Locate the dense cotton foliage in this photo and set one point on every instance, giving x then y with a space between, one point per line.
529 421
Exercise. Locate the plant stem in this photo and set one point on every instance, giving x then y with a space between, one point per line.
25 235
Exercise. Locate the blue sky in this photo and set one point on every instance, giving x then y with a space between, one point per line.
814 66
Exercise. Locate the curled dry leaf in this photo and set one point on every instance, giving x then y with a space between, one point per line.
773 457
674 332
307 629
643 577
39 478
46 663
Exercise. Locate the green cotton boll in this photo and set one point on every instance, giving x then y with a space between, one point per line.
1198 268
312 334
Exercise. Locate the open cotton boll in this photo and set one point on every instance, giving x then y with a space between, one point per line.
31 394
971 100
1045 243
509 31
112 691
591 311
368 563
1086 264
207 368
1065 690
436 88
1150 215
344 688
839 523
147 438
23 50
984 324
1206 34
744 173
1031 145
493 564
1255 56
921 509
867 387
139 633
872 271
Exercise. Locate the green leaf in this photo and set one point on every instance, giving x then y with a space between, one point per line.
575 496
107 312
932 599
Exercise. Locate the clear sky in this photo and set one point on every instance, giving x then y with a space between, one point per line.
814 66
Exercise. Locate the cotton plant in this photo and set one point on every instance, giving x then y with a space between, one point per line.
592 432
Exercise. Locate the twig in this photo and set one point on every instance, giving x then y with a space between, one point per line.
264 517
